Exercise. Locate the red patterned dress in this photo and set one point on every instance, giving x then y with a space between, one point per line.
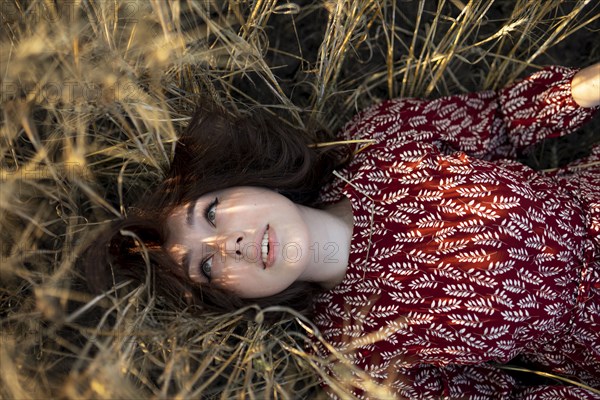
463 259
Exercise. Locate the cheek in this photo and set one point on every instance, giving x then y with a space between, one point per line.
251 282
230 276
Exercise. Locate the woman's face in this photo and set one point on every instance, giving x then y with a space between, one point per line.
249 240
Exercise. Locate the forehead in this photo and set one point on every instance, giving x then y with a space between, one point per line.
176 230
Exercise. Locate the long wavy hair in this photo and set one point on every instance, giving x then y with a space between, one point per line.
218 150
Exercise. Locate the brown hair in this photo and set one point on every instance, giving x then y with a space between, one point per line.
217 151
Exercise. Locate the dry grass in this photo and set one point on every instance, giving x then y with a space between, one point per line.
93 96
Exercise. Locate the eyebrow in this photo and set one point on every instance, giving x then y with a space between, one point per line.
189 218
185 262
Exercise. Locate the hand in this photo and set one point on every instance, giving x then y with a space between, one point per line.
585 86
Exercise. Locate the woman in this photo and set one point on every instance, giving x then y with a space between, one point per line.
432 255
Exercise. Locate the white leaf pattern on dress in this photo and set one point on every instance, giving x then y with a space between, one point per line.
473 257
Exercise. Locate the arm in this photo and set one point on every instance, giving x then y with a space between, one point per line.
453 381
481 381
543 106
547 104
489 125
550 103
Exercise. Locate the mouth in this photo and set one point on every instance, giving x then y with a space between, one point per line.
266 247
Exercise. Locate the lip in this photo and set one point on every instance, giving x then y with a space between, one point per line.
272 242
271 239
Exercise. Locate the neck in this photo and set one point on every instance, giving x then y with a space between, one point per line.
331 229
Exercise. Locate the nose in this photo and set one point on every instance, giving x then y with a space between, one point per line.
231 244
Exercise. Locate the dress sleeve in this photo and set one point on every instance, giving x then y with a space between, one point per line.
479 381
542 107
488 125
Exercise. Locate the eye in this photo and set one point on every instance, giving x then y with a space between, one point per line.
206 267
211 212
